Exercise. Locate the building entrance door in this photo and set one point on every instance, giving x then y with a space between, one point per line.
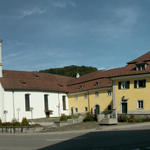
97 109
124 108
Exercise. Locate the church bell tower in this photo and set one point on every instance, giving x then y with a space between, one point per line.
1 68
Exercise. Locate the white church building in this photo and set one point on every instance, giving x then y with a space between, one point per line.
31 94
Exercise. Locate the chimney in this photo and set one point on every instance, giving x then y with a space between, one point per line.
1 75
77 75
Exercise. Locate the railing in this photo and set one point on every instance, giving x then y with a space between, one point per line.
17 129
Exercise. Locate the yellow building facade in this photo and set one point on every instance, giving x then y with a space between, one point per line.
90 101
123 90
134 99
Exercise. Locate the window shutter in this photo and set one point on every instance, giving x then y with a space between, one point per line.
128 84
119 85
144 83
135 84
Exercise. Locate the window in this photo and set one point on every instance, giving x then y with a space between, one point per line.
140 104
64 102
46 102
108 93
86 109
76 109
97 84
109 107
76 97
139 83
72 111
96 94
140 67
124 85
27 102
81 87
85 95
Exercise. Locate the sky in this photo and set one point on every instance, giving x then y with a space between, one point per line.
42 34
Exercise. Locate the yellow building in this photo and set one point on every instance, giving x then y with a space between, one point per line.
123 90
95 101
131 88
90 93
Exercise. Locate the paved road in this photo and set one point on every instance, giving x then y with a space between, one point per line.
99 140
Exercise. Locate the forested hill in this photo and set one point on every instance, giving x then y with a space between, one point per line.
70 71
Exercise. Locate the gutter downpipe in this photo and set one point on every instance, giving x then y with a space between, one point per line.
58 105
13 105
88 102
114 99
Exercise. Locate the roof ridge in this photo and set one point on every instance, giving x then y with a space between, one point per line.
140 58
38 73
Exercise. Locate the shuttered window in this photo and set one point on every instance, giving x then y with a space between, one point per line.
124 85
140 104
64 102
46 102
27 102
139 83
140 67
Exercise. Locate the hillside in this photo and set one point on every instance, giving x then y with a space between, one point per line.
70 71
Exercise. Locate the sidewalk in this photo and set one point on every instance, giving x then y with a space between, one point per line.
126 126
88 127
95 127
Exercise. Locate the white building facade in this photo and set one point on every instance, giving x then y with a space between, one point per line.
13 104
31 94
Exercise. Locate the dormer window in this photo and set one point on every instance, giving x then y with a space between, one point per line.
140 67
23 82
60 85
81 87
97 84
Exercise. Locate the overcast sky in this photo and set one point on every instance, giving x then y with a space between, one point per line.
41 34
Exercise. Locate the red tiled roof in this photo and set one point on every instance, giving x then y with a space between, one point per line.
21 80
108 74
143 58
103 77
102 83
87 77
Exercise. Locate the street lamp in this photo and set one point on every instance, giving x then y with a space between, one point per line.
18 110
5 113
31 109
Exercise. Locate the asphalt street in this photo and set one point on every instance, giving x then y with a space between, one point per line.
99 140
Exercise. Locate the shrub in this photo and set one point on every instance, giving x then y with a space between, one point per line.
7 124
74 116
63 118
132 119
24 122
139 120
123 118
69 117
146 119
15 123
89 117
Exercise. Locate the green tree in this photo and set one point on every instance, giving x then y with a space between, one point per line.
71 71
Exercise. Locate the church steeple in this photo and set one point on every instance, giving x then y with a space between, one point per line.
1 68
